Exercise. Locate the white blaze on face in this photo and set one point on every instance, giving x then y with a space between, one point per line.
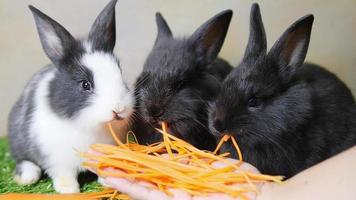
110 92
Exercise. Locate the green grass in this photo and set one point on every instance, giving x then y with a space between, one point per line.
7 185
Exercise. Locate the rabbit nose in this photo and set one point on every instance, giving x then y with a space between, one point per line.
153 121
219 125
155 111
116 116
121 109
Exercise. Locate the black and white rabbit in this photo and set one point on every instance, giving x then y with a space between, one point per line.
286 115
178 79
64 107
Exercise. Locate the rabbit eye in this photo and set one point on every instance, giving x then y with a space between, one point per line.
178 85
86 85
254 102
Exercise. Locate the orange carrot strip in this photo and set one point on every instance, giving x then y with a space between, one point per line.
237 148
222 141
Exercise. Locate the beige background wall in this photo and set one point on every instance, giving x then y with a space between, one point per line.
332 44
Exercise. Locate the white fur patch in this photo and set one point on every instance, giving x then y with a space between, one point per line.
30 173
60 140
110 91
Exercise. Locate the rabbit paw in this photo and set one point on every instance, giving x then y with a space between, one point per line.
66 185
27 173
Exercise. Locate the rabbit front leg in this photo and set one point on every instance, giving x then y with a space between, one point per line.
27 173
64 179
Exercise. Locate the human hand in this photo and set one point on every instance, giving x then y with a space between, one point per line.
143 190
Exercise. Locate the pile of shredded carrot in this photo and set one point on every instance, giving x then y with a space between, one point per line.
172 163
175 163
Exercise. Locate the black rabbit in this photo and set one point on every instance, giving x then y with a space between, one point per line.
179 77
286 115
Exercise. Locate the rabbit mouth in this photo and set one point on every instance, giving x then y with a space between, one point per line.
222 133
116 116
155 122
171 130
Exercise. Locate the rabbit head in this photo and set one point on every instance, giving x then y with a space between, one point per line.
88 86
174 85
258 100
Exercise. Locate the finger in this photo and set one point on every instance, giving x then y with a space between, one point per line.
178 194
146 184
184 160
246 167
214 196
249 168
251 194
103 182
135 189
220 164
121 184
91 151
155 194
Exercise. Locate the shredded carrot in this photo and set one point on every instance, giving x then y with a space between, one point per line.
237 148
113 134
174 163
106 193
166 141
222 141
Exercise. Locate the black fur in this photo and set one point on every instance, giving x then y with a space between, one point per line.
179 78
286 115
103 31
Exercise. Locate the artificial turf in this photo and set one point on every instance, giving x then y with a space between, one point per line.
7 185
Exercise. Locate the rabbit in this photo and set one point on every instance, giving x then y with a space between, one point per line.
286 115
64 107
179 77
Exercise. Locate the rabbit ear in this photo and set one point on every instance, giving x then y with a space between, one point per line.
163 30
102 34
55 39
291 48
209 37
257 42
